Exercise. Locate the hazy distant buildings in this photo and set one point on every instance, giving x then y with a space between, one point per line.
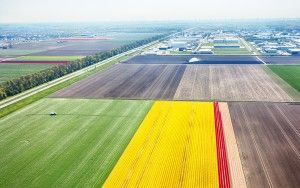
294 51
203 51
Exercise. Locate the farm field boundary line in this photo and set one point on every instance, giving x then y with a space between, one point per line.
182 100
261 60
7 106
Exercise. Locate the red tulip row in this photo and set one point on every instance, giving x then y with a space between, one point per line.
223 172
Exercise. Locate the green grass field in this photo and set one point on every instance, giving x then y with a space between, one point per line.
209 44
180 52
231 51
12 71
16 52
77 148
49 58
289 73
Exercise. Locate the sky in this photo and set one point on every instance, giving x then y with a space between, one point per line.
29 11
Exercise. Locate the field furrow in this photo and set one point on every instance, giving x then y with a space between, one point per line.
267 136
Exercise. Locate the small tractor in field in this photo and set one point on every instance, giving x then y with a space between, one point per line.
53 114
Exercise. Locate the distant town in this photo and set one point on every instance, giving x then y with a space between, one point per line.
240 42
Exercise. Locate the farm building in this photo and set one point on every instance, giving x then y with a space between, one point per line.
203 51
178 44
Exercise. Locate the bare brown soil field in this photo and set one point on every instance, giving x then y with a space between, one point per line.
268 138
184 59
129 81
231 83
293 60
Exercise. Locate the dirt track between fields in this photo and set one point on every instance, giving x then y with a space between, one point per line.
237 178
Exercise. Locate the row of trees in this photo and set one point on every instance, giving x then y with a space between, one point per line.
21 84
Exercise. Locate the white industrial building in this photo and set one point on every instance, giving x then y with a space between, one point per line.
294 51
226 45
226 40
204 51
178 44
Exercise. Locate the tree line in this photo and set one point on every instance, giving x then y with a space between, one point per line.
23 83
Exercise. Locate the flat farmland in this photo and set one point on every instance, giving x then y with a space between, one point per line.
268 140
35 62
289 73
82 48
39 45
128 81
10 71
231 83
48 58
285 60
231 51
77 147
175 146
15 52
184 59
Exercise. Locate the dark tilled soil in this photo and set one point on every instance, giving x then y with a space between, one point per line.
269 142
129 81
184 59
281 59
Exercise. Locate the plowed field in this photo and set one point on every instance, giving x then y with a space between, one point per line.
231 83
129 81
268 139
